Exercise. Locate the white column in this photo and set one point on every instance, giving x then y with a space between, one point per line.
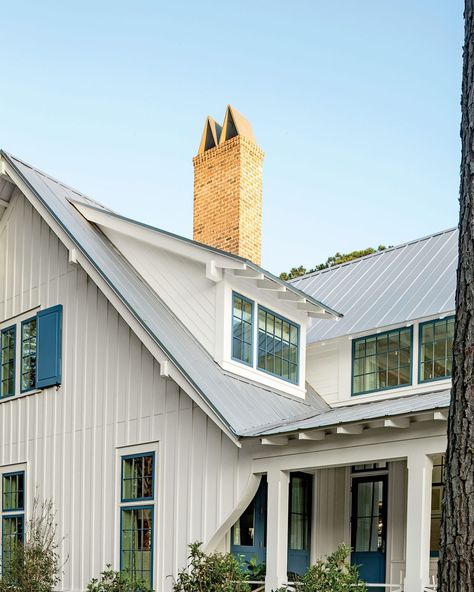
420 469
277 529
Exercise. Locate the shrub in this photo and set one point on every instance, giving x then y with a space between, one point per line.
334 573
117 581
33 565
217 572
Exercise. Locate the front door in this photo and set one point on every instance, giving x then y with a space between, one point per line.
369 527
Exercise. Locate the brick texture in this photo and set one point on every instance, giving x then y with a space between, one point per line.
228 198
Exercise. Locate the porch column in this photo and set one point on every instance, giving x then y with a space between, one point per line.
420 469
277 529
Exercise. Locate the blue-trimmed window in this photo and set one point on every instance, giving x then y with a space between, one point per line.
242 329
137 477
278 345
13 514
28 354
382 361
437 491
436 349
137 515
137 542
7 361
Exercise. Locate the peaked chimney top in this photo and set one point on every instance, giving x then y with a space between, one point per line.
228 187
234 124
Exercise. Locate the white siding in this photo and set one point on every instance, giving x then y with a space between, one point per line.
180 282
112 395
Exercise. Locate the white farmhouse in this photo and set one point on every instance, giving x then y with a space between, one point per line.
163 390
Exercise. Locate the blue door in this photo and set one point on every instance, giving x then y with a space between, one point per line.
369 528
249 533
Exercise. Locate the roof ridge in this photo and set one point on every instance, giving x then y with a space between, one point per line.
377 253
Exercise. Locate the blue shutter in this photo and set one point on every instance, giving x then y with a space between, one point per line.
48 363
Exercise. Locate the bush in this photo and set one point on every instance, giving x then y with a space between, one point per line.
33 565
334 573
116 581
211 573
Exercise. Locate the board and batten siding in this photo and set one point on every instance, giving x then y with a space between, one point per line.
112 396
179 281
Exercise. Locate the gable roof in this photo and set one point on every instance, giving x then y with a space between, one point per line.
240 404
411 281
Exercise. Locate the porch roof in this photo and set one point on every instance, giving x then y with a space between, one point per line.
359 412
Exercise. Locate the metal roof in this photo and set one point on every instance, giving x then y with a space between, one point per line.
403 283
362 412
240 404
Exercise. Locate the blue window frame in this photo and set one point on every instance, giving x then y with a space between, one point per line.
137 485
13 514
7 361
435 349
278 345
13 491
28 354
382 361
242 329
136 542
138 477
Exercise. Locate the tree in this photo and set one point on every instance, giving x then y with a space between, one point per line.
456 564
330 261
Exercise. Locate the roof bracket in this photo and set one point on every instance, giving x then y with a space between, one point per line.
213 272
274 441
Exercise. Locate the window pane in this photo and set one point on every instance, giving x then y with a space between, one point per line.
28 354
383 360
242 329
7 356
278 346
137 477
243 531
436 339
136 542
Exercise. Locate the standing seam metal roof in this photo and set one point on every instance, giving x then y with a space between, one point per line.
390 287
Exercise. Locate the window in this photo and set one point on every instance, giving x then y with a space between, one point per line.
381 361
137 519
300 511
378 466
28 355
242 329
437 491
278 344
436 349
137 477
37 350
13 514
7 358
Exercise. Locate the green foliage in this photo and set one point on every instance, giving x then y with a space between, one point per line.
334 573
211 573
256 571
117 581
34 565
336 259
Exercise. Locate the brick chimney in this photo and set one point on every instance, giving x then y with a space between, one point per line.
228 187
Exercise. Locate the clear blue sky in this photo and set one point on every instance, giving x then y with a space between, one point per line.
355 102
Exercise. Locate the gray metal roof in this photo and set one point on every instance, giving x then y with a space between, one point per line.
404 283
240 404
362 412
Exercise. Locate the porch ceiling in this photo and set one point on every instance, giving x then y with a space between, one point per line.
390 413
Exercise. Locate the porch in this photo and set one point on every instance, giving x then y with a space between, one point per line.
382 499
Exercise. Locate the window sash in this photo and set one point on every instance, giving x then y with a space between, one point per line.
435 349
382 361
136 541
242 329
139 481
7 361
15 493
278 345
28 354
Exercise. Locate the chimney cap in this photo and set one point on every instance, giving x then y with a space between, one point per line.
235 124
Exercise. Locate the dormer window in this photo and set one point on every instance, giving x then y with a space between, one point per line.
242 329
277 345
271 345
